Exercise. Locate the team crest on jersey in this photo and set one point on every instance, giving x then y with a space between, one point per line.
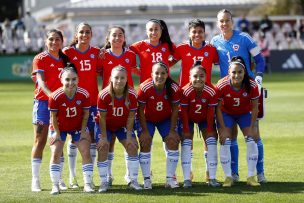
166 97
92 56
206 54
163 49
78 102
203 100
245 94
127 60
235 47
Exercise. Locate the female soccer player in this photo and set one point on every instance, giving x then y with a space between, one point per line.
158 99
235 43
238 104
158 47
86 60
46 69
69 106
198 103
117 105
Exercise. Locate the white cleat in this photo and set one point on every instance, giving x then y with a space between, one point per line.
36 185
171 183
73 183
103 187
127 179
213 183
88 188
134 185
147 184
187 184
262 178
55 190
235 177
62 185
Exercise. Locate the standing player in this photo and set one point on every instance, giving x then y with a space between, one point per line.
235 43
238 104
158 99
86 60
46 69
117 105
116 54
69 106
198 103
158 47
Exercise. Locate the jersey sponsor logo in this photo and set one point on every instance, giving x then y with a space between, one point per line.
193 100
228 95
78 102
127 60
206 54
189 54
163 49
75 58
92 56
293 62
235 47
147 50
152 97
64 104
110 62
203 100
52 65
245 94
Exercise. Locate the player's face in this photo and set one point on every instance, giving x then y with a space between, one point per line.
69 80
53 42
117 38
236 73
197 35
159 75
197 78
84 34
224 22
153 31
119 80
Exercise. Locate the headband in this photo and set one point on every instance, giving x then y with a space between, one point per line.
236 62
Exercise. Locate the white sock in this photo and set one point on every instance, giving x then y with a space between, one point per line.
186 158
133 162
87 170
145 163
103 170
252 155
93 152
225 157
61 165
72 158
110 163
192 156
172 160
36 163
212 157
206 156
55 173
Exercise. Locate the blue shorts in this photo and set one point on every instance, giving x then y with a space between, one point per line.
121 134
163 128
41 113
242 120
74 134
92 115
201 125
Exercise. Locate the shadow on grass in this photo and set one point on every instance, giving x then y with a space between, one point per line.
201 189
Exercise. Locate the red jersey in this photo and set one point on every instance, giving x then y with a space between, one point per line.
236 102
196 105
117 109
69 111
148 55
127 59
157 104
51 69
188 54
86 64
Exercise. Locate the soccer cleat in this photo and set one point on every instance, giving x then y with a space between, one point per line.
110 180
62 185
55 190
127 179
88 188
207 177
251 181
103 187
235 177
175 179
36 185
170 183
73 183
92 184
187 184
228 182
262 178
134 185
147 184
213 183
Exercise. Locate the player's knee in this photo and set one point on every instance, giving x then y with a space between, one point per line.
132 150
145 145
172 143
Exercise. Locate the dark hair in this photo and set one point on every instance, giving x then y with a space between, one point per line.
64 57
107 44
75 41
198 64
165 36
69 67
240 61
225 11
196 23
169 80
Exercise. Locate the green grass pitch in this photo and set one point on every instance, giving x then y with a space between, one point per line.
282 131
